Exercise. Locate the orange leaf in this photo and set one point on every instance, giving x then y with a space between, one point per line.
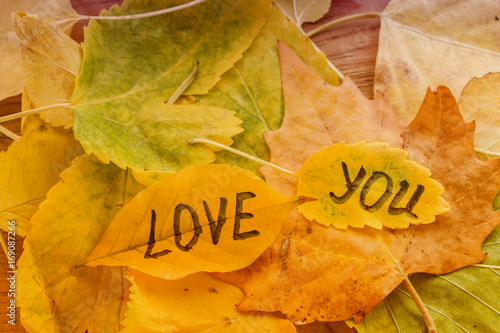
313 273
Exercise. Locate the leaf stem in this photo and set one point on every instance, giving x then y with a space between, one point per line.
431 326
9 133
143 15
184 85
250 157
32 111
342 20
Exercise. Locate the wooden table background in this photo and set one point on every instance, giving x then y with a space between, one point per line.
350 46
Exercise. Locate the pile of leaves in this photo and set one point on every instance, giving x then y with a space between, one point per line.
139 186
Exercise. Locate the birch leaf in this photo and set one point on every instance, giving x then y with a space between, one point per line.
196 303
131 68
424 43
213 218
301 11
10 53
55 291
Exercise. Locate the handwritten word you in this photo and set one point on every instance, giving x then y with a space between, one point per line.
215 225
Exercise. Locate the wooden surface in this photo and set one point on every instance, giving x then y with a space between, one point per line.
351 47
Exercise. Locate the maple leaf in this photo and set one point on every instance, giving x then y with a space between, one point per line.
301 11
51 62
127 76
465 299
316 273
42 150
10 66
252 87
198 302
433 42
220 218
55 291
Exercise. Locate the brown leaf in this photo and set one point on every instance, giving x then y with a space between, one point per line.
313 273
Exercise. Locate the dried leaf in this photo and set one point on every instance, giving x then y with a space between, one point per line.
127 76
10 64
196 303
429 42
316 273
45 151
55 291
212 218
393 191
301 11
51 61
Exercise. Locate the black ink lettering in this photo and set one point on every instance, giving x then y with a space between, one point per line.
151 242
240 215
380 202
351 186
216 226
393 210
177 227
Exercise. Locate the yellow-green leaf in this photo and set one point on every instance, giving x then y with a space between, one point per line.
214 218
301 11
196 303
132 67
51 62
30 168
368 184
55 291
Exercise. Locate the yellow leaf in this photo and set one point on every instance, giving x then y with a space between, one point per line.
30 168
51 62
10 53
214 218
301 11
196 303
368 184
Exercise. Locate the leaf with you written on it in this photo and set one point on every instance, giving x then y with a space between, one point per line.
301 11
316 273
466 299
214 218
55 291
10 53
431 42
480 102
127 76
51 62
196 303
43 150
385 189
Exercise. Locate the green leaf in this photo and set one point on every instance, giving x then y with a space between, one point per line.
466 300
55 291
131 67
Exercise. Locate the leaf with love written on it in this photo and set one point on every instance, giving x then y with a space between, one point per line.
10 54
196 303
55 290
368 184
315 273
423 43
51 61
214 218
466 299
127 76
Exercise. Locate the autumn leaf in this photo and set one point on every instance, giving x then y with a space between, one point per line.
466 299
196 303
424 43
301 11
127 76
46 151
479 102
212 218
378 170
51 62
316 273
55 291
10 65
253 88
